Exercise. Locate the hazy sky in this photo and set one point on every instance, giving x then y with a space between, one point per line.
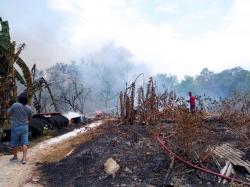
170 36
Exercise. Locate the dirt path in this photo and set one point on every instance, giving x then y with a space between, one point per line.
16 174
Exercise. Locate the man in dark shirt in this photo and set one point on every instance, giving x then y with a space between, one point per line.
191 101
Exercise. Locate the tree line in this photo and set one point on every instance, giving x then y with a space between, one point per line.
223 84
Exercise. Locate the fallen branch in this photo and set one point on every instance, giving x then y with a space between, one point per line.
170 168
169 152
186 172
69 153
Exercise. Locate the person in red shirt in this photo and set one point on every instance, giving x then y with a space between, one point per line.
191 101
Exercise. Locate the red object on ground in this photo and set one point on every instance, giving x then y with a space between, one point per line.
169 152
99 113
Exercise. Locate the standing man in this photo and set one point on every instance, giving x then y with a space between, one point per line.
20 116
191 101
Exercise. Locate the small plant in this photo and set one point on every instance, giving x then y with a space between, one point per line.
191 136
235 115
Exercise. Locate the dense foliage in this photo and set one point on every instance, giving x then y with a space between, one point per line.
223 84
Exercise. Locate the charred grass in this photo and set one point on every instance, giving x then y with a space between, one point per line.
57 152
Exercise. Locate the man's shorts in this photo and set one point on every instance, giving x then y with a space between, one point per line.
19 135
192 107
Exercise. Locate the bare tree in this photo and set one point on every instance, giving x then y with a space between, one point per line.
107 93
75 96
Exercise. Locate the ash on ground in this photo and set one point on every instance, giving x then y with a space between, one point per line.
142 162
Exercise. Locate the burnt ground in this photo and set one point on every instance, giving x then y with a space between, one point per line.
141 160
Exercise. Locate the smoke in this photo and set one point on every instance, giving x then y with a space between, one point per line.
106 72
39 28
99 77
110 63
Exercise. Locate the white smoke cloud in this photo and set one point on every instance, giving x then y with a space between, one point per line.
85 26
167 7
159 45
